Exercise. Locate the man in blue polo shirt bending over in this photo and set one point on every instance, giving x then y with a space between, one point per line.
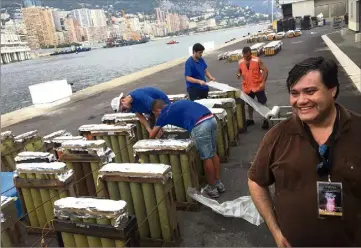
195 73
140 101
202 126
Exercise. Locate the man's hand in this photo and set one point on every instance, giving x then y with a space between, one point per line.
212 78
261 86
281 241
238 75
201 82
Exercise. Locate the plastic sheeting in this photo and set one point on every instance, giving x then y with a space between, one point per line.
242 207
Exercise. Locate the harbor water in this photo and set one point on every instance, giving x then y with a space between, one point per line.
100 65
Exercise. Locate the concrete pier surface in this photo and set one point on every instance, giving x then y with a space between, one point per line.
207 228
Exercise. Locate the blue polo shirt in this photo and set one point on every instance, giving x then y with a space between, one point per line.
182 113
195 69
144 97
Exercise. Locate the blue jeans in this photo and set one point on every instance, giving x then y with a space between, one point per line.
205 137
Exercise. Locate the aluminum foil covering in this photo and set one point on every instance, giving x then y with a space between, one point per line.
4 200
163 145
212 94
177 97
220 113
84 208
48 138
120 117
170 128
32 134
61 139
82 145
7 134
242 207
159 171
41 168
110 129
41 156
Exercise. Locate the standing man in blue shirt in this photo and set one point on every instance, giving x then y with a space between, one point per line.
202 125
195 72
140 101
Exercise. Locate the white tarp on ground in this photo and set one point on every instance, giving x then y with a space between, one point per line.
263 110
242 207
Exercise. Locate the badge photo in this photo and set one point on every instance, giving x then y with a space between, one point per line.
329 200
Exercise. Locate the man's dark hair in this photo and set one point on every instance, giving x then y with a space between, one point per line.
157 104
327 67
246 50
198 47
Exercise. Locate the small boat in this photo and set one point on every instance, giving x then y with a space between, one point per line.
172 42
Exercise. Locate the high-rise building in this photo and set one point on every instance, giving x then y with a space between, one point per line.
59 17
98 18
31 3
161 15
83 16
70 28
40 27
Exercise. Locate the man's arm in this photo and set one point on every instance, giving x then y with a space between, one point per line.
195 81
144 121
154 132
264 70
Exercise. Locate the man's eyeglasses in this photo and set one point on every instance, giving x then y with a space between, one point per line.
324 167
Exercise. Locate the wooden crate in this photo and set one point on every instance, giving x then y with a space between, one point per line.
186 165
120 138
147 189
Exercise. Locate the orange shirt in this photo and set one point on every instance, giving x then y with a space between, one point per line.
252 77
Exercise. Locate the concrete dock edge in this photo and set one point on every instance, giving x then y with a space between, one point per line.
352 70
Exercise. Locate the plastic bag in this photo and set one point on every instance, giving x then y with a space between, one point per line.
242 207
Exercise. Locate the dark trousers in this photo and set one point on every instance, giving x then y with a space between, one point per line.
197 94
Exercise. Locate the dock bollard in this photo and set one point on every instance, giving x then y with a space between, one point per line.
229 104
86 157
92 222
8 151
145 187
13 233
127 118
183 158
39 186
120 138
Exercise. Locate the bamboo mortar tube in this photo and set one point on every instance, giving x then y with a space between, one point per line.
80 240
154 159
126 195
150 204
38 203
39 145
140 211
89 180
186 171
220 141
130 149
177 178
123 148
5 238
68 240
230 124
139 130
99 137
10 162
63 193
53 193
116 149
29 146
173 222
235 126
105 242
164 159
144 158
4 165
92 241
160 195
119 243
95 172
113 190
239 116
145 132
80 181
29 204
45 198
108 142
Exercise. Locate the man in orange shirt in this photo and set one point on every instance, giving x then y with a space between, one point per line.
254 74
